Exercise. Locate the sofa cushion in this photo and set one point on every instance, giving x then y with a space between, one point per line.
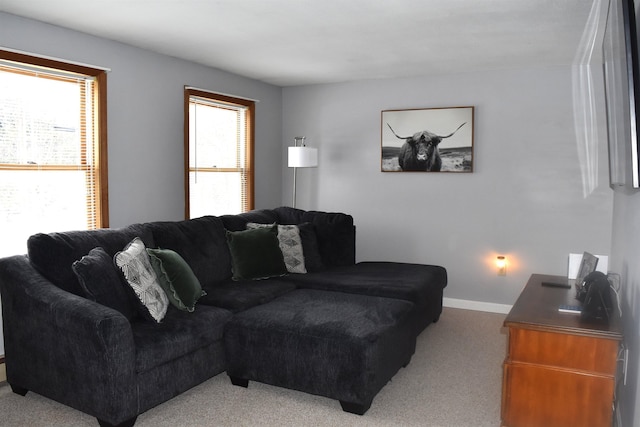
239 222
412 282
241 295
421 284
53 254
200 242
176 278
335 233
312 258
180 333
290 246
134 262
102 283
256 254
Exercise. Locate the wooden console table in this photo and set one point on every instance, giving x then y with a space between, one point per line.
559 369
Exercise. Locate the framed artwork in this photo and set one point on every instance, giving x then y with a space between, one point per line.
427 140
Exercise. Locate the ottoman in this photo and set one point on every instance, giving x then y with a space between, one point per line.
338 345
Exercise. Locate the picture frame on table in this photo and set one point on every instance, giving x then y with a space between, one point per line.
587 266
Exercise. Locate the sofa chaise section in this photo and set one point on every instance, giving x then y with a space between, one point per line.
421 284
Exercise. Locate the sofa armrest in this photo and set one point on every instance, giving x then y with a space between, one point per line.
66 347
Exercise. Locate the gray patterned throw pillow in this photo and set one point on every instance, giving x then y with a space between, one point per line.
290 245
136 267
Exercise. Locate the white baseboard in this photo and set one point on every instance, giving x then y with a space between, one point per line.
476 305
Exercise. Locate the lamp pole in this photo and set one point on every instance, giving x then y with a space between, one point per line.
295 172
295 169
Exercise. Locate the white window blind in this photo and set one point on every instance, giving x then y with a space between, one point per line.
49 153
218 145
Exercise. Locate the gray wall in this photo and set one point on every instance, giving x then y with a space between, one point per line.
524 199
145 115
625 261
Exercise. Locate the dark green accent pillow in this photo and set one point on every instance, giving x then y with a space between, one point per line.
176 278
256 254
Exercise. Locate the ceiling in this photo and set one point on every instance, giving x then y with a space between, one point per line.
299 42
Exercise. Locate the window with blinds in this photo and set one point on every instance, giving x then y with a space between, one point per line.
218 154
52 149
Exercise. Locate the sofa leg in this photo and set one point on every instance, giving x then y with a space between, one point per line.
127 423
18 390
240 382
355 408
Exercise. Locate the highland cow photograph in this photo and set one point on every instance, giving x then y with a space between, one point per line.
427 140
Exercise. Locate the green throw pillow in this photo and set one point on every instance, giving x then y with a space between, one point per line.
176 278
256 254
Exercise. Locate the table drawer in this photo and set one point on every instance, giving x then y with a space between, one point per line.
591 354
535 396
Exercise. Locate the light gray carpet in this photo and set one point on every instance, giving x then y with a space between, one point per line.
454 379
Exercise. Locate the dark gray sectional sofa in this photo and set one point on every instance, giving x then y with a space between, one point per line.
341 330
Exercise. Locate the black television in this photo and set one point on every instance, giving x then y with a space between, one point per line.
622 93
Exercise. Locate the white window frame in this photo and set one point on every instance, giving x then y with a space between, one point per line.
245 143
93 135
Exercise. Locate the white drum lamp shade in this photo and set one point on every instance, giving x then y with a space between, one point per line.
303 157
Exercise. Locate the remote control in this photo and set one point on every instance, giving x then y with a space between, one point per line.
556 284
570 309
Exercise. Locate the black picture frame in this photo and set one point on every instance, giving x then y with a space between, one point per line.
448 129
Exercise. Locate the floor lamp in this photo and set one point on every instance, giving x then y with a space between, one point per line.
301 156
